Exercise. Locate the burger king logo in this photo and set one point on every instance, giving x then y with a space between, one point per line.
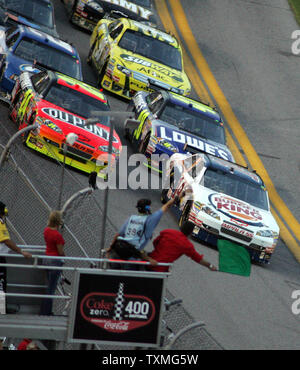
236 209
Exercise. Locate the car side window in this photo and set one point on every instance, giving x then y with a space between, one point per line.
40 82
155 101
11 37
115 28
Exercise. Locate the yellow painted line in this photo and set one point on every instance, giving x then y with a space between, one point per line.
287 237
236 128
196 81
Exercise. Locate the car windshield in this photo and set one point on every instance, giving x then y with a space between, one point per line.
237 187
34 10
151 48
76 102
143 3
48 57
194 122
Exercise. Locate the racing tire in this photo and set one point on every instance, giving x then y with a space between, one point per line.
144 144
163 196
24 138
2 70
185 213
89 57
70 16
101 75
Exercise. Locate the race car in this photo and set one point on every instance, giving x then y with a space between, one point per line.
223 200
37 14
169 123
130 56
60 105
24 48
87 13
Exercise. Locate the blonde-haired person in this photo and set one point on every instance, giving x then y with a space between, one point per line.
54 247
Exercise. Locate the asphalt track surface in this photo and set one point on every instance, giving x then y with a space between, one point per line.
248 48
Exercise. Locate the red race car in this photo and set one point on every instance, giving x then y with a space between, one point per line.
60 105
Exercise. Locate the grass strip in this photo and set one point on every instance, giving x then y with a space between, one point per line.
295 5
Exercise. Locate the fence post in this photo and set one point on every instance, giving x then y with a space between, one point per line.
12 139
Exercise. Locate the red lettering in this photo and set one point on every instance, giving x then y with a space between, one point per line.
102 305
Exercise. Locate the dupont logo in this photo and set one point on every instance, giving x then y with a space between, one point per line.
235 209
117 313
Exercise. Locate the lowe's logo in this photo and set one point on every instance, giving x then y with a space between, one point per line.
179 137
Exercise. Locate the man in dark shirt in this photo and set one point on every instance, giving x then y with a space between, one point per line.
172 244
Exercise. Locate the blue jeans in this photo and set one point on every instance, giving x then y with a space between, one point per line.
53 276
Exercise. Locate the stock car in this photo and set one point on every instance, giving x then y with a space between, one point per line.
223 200
87 13
169 123
60 105
24 48
130 56
37 14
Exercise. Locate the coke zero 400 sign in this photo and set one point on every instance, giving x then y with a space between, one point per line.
123 308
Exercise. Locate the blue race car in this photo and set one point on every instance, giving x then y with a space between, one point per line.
37 14
26 49
171 123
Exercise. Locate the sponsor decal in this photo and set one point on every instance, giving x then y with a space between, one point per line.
180 137
137 9
77 121
237 230
117 313
235 209
28 68
155 67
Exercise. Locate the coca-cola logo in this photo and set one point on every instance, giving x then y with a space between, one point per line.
117 313
236 210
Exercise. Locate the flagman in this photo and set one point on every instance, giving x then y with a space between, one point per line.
172 244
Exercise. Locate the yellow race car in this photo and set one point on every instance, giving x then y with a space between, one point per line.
130 56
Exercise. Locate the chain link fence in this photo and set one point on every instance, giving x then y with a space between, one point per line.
30 188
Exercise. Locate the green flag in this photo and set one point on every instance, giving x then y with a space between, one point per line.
233 258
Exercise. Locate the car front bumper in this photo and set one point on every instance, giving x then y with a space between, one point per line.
209 229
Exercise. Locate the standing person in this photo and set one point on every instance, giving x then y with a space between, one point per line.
54 247
5 245
172 244
130 241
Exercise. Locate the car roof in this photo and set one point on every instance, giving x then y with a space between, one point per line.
193 105
217 163
73 82
150 31
47 39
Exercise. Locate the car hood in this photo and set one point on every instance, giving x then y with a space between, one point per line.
93 136
145 69
179 138
130 9
231 209
14 18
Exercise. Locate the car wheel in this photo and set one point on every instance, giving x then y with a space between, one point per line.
144 144
24 137
70 17
89 57
185 213
101 75
2 70
164 193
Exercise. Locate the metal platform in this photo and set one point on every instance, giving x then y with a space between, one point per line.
34 327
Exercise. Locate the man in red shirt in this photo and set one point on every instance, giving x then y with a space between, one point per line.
172 244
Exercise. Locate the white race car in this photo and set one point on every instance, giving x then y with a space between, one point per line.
223 200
